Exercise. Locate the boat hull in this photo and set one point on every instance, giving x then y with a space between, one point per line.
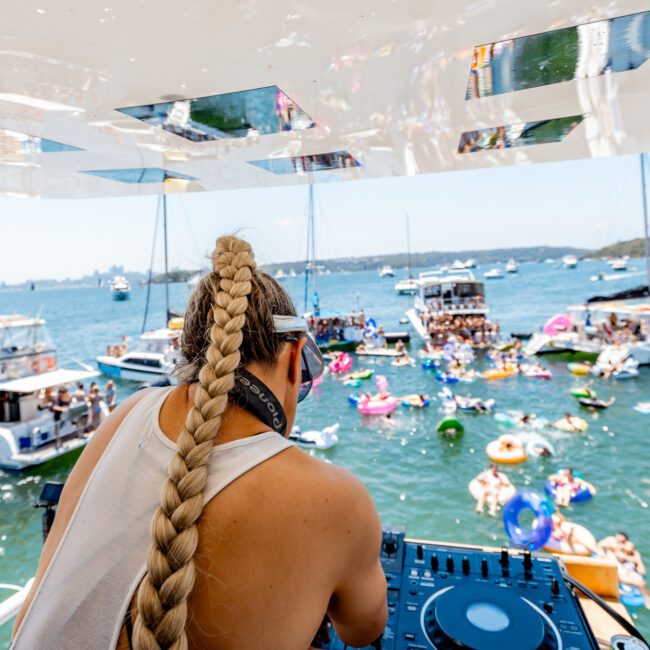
125 373
121 295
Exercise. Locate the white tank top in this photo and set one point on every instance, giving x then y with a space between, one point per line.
99 563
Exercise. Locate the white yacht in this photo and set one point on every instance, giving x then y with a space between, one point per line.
583 327
494 274
511 266
30 435
25 347
280 275
456 293
386 271
30 432
470 263
120 288
154 359
458 266
569 261
619 264
407 286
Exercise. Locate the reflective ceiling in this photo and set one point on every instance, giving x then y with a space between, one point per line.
119 98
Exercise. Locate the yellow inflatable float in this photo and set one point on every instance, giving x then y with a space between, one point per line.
498 373
571 424
506 449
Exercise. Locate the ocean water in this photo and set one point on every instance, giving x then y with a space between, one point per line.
416 478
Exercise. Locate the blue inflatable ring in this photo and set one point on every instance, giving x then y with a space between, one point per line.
446 378
631 596
581 495
353 399
539 533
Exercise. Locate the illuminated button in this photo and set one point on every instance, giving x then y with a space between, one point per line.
427 574
413 573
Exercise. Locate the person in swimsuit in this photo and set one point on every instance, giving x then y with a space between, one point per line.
493 482
260 564
631 570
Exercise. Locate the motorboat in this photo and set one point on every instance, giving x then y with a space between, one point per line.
408 286
25 347
154 358
30 436
458 266
511 266
618 264
30 433
194 280
386 271
441 294
569 261
494 274
470 263
120 288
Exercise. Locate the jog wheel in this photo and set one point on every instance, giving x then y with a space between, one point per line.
483 617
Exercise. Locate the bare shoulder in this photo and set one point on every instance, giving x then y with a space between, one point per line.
333 490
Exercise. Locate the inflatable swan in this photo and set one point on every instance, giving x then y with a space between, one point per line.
324 439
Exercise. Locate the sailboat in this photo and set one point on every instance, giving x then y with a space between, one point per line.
410 285
155 356
332 330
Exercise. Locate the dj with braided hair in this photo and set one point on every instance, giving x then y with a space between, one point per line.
191 521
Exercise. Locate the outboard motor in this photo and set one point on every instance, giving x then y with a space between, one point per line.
48 500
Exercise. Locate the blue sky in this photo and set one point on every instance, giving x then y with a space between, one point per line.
586 203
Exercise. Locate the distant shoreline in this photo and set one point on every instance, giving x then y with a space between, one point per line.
431 259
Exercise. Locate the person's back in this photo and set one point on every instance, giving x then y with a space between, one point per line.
284 543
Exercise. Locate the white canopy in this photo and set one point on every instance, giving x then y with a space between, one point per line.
373 88
47 380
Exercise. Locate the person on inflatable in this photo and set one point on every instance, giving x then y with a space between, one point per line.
492 481
631 570
567 484
563 531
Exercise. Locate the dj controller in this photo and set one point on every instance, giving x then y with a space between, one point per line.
443 596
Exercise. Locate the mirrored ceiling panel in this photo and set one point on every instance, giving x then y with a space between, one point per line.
307 164
15 143
139 175
518 135
231 115
589 50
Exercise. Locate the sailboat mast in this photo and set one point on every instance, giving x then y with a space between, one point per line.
408 245
307 252
166 259
646 244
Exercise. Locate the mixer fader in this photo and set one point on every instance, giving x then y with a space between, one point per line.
444 596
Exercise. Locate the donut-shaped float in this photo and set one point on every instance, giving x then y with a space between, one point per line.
537 535
506 449
505 494
582 540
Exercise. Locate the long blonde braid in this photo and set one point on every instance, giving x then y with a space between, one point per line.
163 593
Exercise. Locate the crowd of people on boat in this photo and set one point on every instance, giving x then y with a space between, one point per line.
475 329
622 331
118 349
339 328
60 400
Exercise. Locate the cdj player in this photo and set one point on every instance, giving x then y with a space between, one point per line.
443 596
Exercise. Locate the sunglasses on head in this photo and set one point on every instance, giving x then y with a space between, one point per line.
312 365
